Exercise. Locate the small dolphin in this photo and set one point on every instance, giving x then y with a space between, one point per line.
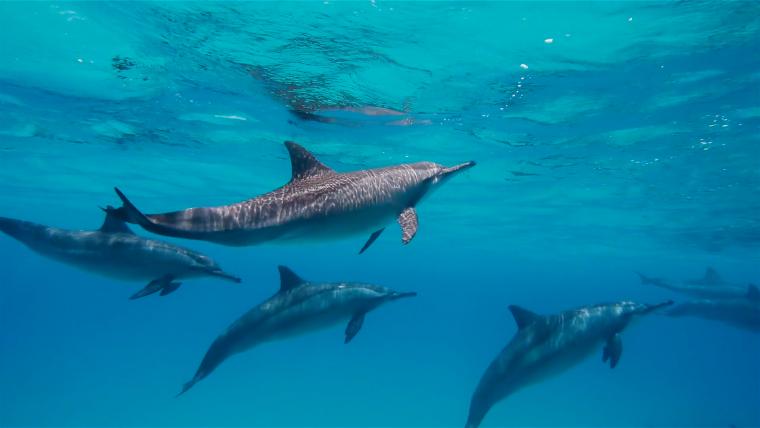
738 312
709 287
317 203
548 345
116 252
298 307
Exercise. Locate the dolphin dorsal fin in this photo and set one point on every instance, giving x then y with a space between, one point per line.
304 164
112 223
523 317
711 277
752 292
288 278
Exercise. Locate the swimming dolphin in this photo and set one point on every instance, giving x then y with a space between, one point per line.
298 307
548 345
738 312
316 203
707 287
116 252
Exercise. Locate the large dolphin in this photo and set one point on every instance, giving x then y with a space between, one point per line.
298 307
548 345
116 252
738 312
316 203
708 287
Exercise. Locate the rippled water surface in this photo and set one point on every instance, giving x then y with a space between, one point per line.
611 137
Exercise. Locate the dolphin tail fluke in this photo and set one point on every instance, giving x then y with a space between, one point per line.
129 212
643 278
186 387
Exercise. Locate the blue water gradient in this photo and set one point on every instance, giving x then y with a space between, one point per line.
611 137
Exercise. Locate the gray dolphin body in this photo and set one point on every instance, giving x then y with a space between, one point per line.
317 203
743 313
710 286
114 251
548 345
298 307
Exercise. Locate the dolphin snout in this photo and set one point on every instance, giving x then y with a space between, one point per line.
458 168
395 296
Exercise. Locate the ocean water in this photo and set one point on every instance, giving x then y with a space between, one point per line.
611 137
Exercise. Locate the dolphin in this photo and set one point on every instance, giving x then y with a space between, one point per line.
545 346
114 251
298 307
707 287
316 203
738 312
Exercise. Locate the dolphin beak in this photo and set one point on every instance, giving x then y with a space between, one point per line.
396 296
457 168
652 308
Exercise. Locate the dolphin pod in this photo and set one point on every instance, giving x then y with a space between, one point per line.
317 203
547 345
114 251
298 307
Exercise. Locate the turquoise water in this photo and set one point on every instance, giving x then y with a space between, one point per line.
610 138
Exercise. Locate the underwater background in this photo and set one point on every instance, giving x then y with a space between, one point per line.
610 138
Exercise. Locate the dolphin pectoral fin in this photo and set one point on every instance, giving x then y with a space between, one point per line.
371 239
157 285
354 326
170 288
408 221
612 350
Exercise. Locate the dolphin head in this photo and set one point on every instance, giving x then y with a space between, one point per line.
428 176
628 311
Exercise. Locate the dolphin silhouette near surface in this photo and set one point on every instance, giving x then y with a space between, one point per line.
741 312
710 286
298 307
317 203
114 251
545 346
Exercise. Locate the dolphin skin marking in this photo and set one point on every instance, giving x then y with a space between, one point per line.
114 251
710 286
548 345
743 312
298 307
317 203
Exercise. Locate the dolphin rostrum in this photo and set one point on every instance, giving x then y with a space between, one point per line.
548 345
316 203
708 287
116 252
298 307
738 312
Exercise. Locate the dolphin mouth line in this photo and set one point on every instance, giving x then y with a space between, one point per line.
457 168
404 295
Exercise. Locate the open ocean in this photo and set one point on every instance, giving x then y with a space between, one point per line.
610 137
